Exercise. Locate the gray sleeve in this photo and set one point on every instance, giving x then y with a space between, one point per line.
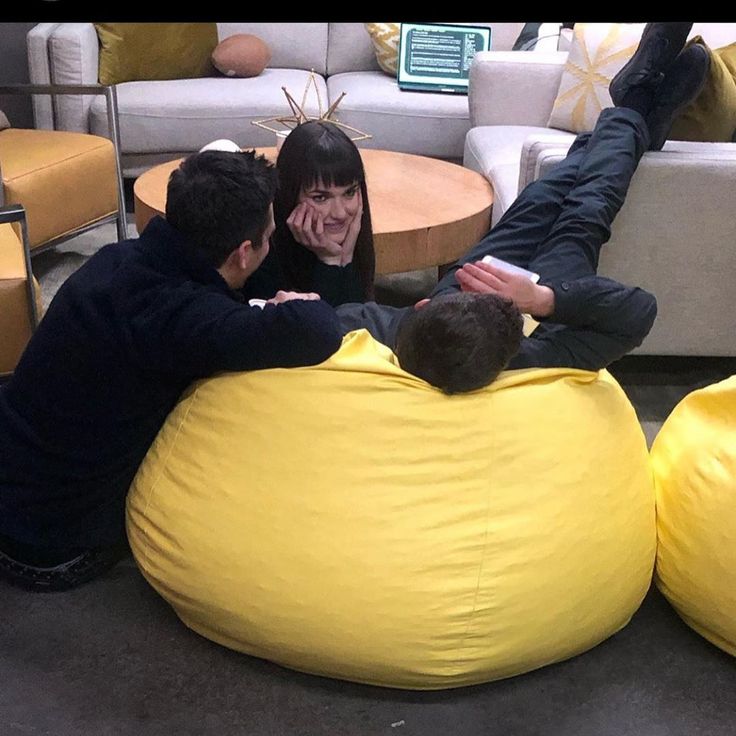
381 321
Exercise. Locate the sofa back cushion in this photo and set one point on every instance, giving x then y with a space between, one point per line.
293 45
351 49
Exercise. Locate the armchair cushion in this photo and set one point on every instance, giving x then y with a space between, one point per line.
64 180
138 51
15 321
597 53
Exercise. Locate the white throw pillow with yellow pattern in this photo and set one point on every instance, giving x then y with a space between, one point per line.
385 38
597 53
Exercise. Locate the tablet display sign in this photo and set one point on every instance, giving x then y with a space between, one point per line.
435 57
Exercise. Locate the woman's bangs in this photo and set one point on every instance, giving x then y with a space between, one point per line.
333 168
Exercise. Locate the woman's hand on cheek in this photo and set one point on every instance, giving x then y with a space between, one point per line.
307 226
351 238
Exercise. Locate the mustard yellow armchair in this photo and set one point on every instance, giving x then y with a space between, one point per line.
55 185
19 294
66 182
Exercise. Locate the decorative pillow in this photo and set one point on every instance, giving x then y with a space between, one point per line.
597 53
4 123
711 116
385 37
241 55
144 51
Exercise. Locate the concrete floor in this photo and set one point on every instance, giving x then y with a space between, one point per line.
112 658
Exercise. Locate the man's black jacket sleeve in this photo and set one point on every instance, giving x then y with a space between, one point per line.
596 321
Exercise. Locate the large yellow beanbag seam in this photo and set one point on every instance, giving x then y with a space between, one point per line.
694 464
350 520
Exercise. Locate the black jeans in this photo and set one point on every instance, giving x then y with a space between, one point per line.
558 224
556 227
51 570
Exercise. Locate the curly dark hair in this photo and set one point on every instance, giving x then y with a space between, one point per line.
219 199
459 342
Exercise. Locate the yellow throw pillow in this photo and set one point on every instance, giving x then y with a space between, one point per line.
597 53
711 117
385 37
143 51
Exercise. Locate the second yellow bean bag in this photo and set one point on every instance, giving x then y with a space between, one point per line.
694 463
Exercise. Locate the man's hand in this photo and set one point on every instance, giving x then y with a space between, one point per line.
484 278
290 296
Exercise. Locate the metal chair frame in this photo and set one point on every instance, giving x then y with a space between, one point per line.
111 102
16 213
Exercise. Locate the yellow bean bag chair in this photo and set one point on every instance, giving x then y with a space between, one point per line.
694 464
350 520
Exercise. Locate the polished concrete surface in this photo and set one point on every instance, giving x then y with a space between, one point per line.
111 658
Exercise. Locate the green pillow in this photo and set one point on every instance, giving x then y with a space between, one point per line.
141 51
711 116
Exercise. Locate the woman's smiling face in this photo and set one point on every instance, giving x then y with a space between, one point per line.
337 205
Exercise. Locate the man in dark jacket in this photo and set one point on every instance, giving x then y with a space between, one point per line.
124 336
470 330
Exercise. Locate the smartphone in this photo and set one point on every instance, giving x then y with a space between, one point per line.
510 267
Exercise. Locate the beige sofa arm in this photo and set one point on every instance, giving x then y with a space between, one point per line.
39 69
514 87
539 153
673 237
73 51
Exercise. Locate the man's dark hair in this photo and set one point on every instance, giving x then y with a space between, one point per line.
218 199
459 342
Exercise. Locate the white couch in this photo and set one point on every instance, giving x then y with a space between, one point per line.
161 120
676 233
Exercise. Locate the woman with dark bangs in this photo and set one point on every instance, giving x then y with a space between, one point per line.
323 240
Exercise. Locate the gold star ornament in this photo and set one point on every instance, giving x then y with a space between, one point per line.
298 116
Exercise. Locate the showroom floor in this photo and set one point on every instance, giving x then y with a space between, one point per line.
111 658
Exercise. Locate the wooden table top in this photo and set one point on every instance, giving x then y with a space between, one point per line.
425 212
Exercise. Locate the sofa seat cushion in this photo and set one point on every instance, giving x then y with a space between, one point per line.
64 180
185 114
495 152
410 122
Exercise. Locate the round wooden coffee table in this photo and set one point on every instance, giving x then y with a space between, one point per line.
425 212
